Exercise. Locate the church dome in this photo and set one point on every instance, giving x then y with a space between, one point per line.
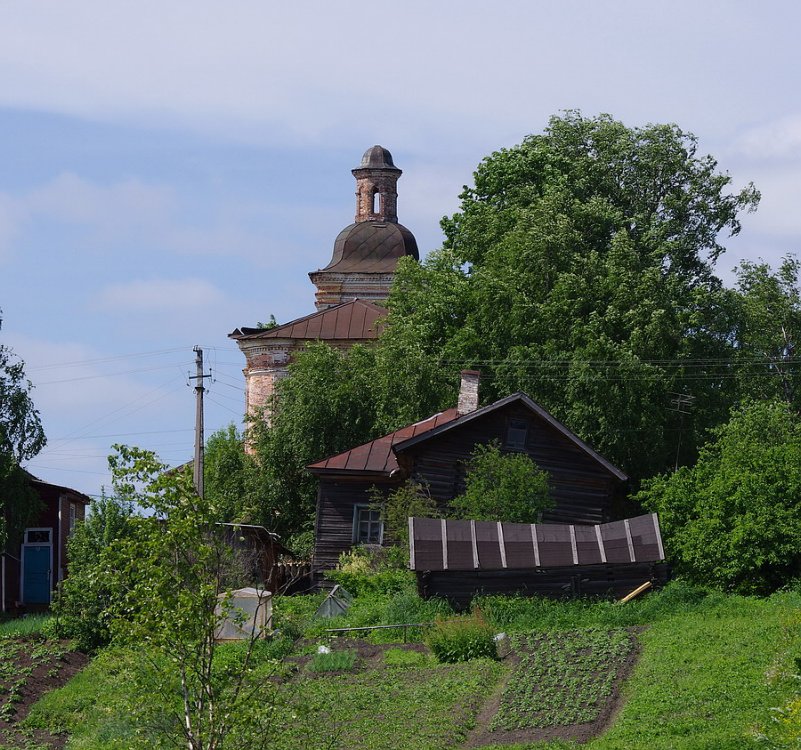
372 247
377 157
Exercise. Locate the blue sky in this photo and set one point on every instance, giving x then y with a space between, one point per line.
170 171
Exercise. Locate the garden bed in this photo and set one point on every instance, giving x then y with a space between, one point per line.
30 666
562 686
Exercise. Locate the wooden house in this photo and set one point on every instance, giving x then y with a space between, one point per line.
435 452
32 566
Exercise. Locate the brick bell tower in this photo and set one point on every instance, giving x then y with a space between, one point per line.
366 252
350 289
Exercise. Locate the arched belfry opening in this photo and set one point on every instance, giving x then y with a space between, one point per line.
377 186
366 252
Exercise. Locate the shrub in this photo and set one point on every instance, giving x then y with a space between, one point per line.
502 487
333 661
462 639
410 499
365 571
292 614
734 519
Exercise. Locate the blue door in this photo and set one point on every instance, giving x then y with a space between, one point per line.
36 575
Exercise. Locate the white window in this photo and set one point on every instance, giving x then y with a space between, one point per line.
367 525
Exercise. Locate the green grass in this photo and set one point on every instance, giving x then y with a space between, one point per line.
707 679
28 625
400 657
334 661
711 668
409 709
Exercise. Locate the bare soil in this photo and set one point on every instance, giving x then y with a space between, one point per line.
48 671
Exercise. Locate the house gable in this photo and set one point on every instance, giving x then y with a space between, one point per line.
583 484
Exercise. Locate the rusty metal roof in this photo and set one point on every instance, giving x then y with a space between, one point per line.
356 319
377 157
371 247
377 456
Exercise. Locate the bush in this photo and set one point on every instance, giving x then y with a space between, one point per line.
366 571
462 639
292 614
502 487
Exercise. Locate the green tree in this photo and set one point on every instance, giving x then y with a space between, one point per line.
580 269
325 406
231 477
769 330
734 519
171 590
81 606
21 438
502 487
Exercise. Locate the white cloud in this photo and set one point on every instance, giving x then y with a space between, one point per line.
408 72
780 139
159 295
129 208
10 223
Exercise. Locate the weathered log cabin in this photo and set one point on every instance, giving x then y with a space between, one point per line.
435 452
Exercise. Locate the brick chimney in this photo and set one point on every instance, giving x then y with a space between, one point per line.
468 392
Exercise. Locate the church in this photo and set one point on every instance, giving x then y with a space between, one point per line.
351 289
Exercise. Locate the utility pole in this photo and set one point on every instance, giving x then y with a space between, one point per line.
682 404
199 391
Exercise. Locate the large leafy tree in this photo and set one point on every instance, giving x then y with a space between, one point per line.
734 518
768 331
21 438
580 270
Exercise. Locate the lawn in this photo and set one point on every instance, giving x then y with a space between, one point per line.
710 668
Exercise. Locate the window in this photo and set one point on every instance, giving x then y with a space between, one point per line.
37 536
73 511
367 525
376 201
516 434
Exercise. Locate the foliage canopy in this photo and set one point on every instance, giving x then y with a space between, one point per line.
21 438
502 487
734 519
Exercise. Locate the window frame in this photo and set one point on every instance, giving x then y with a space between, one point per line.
523 426
358 510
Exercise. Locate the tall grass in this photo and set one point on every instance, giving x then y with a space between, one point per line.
28 625
519 613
